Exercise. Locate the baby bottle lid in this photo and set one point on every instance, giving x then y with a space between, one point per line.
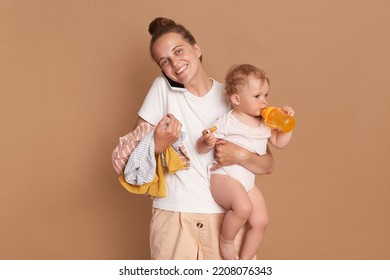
264 113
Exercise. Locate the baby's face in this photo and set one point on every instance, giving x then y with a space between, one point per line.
253 96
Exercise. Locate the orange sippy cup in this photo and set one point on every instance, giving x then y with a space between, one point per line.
276 119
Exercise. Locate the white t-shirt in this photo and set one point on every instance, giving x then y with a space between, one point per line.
187 190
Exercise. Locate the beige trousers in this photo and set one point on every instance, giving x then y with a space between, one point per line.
186 236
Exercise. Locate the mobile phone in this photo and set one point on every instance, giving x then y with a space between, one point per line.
173 84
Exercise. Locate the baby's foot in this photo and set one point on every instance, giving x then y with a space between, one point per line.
228 251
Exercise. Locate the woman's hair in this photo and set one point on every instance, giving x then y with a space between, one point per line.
237 76
160 26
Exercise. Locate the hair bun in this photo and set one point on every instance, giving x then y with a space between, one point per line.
159 23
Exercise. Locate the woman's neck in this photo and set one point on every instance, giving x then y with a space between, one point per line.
200 86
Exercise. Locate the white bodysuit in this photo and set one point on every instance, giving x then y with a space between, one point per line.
253 139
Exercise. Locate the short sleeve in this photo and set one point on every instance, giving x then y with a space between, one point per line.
220 123
154 106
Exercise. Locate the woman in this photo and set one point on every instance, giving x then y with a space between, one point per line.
186 223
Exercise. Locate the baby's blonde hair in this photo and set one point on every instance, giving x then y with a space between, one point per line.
237 76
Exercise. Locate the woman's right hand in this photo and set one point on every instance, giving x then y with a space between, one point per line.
167 132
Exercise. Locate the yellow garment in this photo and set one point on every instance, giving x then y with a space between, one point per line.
157 187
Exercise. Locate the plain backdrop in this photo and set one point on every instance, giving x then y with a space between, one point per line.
73 75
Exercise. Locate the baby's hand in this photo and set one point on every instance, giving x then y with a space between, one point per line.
208 136
288 110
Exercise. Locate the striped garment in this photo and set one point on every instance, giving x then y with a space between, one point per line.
141 165
129 142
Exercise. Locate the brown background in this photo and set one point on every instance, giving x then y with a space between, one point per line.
74 73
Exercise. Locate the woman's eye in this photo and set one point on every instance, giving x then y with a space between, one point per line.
178 51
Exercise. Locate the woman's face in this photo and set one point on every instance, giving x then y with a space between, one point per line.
176 57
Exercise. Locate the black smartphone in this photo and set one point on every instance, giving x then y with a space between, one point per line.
173 84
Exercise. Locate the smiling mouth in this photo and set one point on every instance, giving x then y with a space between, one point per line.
181 69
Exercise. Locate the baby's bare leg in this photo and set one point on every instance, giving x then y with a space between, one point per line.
257 225
231 195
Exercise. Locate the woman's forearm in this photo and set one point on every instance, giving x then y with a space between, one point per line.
259 164
227 153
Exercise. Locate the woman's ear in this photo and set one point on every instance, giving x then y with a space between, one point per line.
235 99
198 50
